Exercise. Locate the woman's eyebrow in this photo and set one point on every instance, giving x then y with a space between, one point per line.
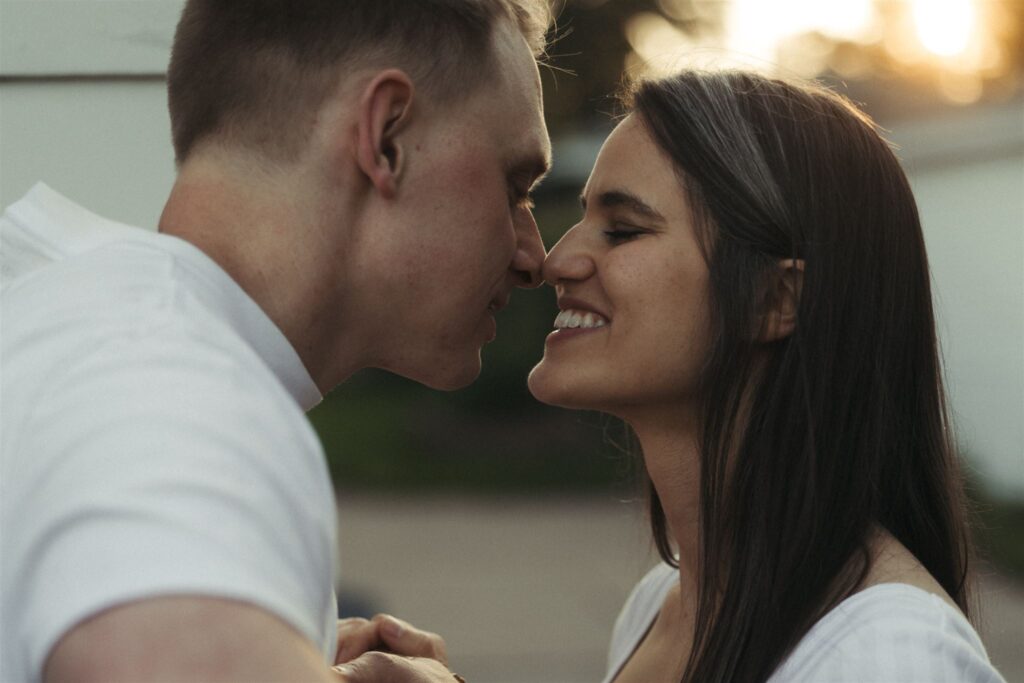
613 198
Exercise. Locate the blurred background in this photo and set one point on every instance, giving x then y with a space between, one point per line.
516 529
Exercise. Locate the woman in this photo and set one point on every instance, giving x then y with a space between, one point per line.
748 290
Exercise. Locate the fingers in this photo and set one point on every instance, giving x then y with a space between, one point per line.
403 638
356 636
385 632
374 667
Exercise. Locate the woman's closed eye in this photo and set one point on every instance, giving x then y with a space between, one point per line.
622 233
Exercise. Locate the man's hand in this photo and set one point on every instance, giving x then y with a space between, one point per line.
378 667
384 632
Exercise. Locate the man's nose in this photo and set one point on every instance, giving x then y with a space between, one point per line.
530 254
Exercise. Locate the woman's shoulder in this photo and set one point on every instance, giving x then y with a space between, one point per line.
639 610
890 632
646 599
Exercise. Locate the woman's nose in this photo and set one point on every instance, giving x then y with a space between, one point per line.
568 260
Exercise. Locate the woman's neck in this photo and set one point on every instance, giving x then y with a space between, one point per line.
671 450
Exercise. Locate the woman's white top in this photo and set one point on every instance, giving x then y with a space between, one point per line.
888 633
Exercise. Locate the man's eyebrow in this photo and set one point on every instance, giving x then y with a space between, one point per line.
614 198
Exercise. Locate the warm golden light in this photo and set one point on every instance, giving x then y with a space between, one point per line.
945 27
757 28
659 49
961 88
954 40
660 46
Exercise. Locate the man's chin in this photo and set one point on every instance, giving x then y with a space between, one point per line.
451 383
445 374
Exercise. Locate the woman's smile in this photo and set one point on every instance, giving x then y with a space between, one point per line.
631 277
571 318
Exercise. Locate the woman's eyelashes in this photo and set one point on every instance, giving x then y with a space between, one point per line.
621 233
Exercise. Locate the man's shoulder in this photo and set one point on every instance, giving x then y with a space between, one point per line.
44 227
118 284
134 290
107 335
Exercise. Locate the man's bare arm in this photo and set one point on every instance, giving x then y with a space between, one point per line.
201 639
187 638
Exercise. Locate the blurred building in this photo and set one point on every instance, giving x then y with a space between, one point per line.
967 171
83 103
82 107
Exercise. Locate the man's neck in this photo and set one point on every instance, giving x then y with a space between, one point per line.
257 228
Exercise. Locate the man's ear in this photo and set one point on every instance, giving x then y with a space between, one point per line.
384 109
780 302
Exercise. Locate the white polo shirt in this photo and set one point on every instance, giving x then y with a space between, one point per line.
153 436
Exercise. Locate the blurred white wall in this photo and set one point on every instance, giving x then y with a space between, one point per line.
967 171
82 103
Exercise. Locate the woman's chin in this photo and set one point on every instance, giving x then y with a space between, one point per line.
547 388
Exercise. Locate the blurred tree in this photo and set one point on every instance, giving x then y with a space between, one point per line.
601 40
586 61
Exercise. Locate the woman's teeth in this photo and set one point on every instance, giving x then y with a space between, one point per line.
586 319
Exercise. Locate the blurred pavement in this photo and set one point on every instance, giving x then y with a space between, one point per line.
527 590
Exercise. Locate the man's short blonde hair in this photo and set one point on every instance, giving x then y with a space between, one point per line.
253 72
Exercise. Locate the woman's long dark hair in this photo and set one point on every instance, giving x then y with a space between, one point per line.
843 425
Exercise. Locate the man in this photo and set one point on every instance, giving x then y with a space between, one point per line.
352 192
